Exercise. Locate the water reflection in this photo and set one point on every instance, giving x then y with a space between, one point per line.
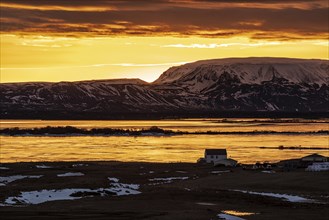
184 148
238 213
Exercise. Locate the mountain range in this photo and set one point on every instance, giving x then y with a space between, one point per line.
256 86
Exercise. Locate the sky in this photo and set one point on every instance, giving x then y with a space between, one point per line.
60 40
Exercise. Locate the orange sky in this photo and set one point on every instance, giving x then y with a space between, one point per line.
53 40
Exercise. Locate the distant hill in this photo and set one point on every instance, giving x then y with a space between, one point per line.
254 86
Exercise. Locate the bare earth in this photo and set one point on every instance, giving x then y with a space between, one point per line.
203 195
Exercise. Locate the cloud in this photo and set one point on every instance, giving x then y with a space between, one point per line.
138 64
97 65
200 46
212 46
103 5
267 19
51 7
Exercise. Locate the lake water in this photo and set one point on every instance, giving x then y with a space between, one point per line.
178 148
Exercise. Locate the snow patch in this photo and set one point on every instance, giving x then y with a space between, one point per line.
229 217
271 107
166 180
113 179
4 168
4 180
169 178
70 174
286 197
179 171
220 171
43 166
37 197
268 171
41 196
79 165
122 189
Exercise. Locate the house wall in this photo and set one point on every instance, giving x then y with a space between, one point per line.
322 166
315 159
213 158
227 163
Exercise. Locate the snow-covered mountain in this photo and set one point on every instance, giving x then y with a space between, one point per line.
84 96
254 70
234 84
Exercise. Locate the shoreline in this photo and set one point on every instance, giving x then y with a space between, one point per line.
69 131
241 160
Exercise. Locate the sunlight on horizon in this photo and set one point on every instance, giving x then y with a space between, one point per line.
51 58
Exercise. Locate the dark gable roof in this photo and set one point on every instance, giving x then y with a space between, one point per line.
215 152
314 155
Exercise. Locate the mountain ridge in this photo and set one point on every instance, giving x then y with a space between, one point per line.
251 66
239 85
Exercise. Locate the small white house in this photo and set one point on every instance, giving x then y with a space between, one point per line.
213 155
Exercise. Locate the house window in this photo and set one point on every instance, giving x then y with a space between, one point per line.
211 156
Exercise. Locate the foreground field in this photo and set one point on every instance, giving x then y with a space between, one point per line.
115 190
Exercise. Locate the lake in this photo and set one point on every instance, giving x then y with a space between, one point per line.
176 148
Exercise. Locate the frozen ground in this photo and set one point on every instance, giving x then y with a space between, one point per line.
70 174
4 180
116 190
41 196
289 198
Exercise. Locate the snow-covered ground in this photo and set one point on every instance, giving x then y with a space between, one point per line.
169 178
228 217
79 165
4 180
268 171
43 166
123 189
70 174
41 196
286 197
113 179
45 195
165 180
180 171
220 171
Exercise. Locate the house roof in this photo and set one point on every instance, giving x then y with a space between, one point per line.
314 155
215 152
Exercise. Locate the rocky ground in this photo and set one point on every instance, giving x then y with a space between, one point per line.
117 190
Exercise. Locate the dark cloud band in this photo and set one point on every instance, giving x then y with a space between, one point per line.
296 20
